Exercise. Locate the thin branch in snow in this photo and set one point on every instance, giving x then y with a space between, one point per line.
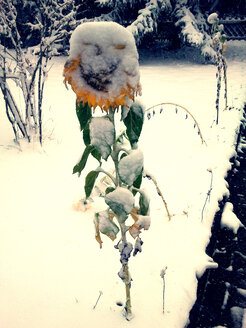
151 177
208 193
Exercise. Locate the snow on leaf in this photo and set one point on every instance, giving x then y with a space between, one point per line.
131 166
102 134
121 202
213 18
106 225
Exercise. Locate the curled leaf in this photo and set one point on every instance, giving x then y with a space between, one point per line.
105 225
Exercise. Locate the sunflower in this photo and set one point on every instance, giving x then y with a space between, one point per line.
103 68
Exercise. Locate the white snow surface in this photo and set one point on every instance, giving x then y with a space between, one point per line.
52 269
229 218
107 51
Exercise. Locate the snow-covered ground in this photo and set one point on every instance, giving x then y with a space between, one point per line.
52 270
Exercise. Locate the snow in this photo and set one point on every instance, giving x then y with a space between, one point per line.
52 268
213 18
229 219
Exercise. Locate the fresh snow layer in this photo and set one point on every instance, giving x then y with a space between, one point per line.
52 269
229 219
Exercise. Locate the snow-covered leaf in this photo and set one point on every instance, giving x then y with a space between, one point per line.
90 181
131 166
102 135
106 225
134 122
121 202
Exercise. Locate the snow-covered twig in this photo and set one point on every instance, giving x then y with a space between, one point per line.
152 178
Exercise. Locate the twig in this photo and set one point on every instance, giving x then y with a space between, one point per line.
163 272
177 105
208 193
100 294
150 177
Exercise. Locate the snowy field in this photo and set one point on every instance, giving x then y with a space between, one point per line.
52 270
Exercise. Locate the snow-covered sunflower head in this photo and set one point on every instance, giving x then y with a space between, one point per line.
102 67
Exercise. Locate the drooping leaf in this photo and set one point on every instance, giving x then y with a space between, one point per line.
143 203
137 182
134 122
83 112
78 168
86 134
90 182
96 155
97 234
106 225
102 134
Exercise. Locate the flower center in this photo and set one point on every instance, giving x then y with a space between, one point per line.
99 80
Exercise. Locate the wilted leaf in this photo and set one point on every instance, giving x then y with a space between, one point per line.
106 225
97 234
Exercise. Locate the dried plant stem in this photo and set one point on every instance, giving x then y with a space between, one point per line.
208 193
149 176
185 109
225 80
128 306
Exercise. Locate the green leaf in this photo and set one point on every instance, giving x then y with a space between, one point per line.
86 134
109 189
96 155
137 183
223 38
134 122
143 204
83 112
78 168
123 155
89 182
